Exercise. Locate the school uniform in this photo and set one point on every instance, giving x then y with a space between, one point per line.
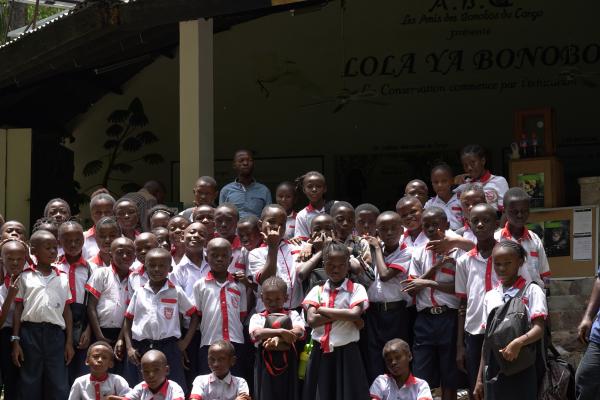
222 307
78 272
520 384
467 233
137 279
304 219
96 262
10 373
112 295
275 372
410 243
536 260
385 387
286 270
237 263
452 208
210 387
387 315
494 187
155 323
335 368
89 387
90 245
475 276
435 330
290 225
42 332
185 276
170 390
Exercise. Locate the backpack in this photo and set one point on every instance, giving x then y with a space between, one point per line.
504 324
558 381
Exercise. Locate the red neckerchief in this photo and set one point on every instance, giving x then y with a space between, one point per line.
484 178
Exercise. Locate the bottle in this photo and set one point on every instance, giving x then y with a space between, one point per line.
304 356
534 145
523 145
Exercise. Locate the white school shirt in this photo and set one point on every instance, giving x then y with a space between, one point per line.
391 291
88 387
237 262
536 260
346 296
286 270
475 276
155 316
469 234
408 241
90 246
384 387
533 297
493 186
210 387
452 208
44 298
222 307
186 275
304 219
112 295
422 261
290 225
170 390
78 274
96 262
258 320
137 279
3 294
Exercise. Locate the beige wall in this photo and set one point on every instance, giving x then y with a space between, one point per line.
301 59
15 174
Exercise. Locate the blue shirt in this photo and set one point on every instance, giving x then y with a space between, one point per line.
595 333
249 199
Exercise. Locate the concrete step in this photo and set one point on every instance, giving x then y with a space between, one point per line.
580 286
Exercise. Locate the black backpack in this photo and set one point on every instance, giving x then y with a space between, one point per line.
558 378
504 324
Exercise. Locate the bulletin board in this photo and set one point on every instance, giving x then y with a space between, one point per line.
570 236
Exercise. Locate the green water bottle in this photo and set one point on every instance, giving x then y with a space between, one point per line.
304 356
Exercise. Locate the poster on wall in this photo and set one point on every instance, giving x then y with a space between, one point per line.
533 184
557 238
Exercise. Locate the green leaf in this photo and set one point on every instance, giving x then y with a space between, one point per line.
138 117
92 168
153 158
114 130
110 144
130 187
147 137
131 144
118 116
136 106
122 167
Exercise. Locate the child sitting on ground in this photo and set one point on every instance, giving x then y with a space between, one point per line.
399 384
99 383
220 384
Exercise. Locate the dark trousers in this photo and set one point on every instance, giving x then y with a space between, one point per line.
192 353
113 335
44 366
382 326
473 344
174 358
237 370
587 378
10 373
77 366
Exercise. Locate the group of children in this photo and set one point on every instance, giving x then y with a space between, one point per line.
332 302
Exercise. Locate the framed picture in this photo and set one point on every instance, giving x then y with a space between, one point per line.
542 178
570 237
538 122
